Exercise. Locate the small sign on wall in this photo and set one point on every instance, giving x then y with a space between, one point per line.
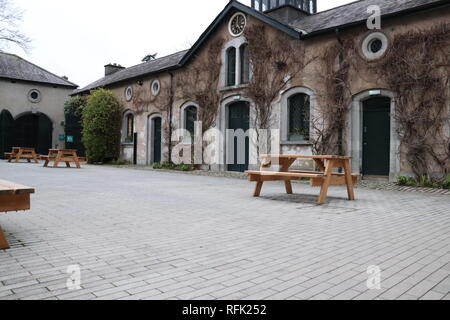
375 92
62 137
69 139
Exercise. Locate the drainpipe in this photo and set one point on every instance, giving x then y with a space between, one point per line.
171 114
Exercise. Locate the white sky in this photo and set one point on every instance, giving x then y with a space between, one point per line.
77 38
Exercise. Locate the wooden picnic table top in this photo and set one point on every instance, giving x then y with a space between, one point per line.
23 149
288 156
9 188
62 150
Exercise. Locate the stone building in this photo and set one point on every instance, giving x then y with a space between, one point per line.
156 98
31 105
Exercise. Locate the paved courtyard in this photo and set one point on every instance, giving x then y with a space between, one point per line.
155 235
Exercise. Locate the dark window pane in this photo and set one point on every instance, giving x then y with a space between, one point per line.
231 67
190 114
299 117
245 64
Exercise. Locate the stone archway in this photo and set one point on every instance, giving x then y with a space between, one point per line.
33 131
357 123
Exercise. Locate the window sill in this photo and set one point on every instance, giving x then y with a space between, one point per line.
128 144
229 88
296 143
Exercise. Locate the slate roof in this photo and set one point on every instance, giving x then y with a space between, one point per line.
356 12
16 68
343 16
140 70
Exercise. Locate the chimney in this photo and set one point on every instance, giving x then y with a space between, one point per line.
112 68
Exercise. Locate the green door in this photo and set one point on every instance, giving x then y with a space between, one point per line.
239 118
377 136
6 132
34 131
157 136
74 134
45 129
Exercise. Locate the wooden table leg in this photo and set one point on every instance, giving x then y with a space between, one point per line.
35 157
18 156
57 160
349 180
288 185
326 182
258 189
3 242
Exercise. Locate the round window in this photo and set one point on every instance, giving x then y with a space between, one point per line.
129 93
34 96
375 45
156 87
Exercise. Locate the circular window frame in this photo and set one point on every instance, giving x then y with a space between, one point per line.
155 92
231 20
39 97
129 96
366 44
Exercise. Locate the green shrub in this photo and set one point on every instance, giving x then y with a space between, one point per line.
101 126
402 180
120 162
171 166
74 106
446 183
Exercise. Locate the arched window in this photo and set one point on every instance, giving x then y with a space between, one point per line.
245 64
129 138
299 117
190 117
231 66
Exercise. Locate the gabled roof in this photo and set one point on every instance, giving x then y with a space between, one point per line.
234 5
144 69
356 13
352 14
16 68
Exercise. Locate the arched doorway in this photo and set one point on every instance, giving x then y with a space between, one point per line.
155 139
238 146
33 131
6 132
376 137
373 140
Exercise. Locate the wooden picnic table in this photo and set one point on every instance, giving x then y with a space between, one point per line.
13 197
19 153
62 155
277 168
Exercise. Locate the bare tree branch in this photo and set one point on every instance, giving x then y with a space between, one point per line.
10 18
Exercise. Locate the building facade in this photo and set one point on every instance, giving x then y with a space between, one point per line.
31 106
318 68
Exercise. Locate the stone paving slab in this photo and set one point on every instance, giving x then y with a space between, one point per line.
138 234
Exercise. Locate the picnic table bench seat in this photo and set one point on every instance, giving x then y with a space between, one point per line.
13 197
277 168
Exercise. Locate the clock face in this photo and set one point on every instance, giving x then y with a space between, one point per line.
237 24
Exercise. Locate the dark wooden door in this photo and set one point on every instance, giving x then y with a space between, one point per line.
157 136
239 118
377 136
6 132
45 132
26 129
74 134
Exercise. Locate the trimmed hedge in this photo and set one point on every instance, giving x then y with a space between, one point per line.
101 126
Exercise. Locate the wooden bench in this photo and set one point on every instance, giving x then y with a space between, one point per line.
323 179
68 156
19 153
13 197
